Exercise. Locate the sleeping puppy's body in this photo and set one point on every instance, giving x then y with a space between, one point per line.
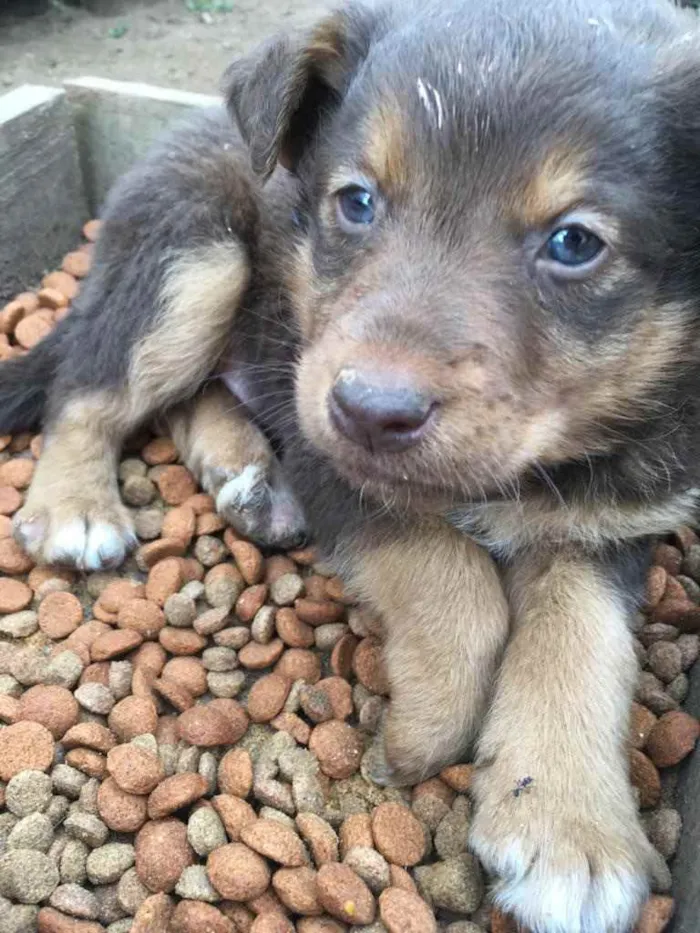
494 278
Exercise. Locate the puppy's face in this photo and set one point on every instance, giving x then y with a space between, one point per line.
493 280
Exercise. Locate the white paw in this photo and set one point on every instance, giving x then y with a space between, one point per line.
258 503
562 867
90 536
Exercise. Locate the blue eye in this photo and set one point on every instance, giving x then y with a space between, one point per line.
573 245
356 205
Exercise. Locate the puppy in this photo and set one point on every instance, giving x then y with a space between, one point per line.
494 276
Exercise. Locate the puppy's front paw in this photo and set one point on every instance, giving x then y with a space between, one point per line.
88 534
568 860
258 503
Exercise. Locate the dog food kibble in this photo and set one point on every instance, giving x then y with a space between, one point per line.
184 741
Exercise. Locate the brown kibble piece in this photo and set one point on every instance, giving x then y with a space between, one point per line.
256 657
164 580
206 726
90 734
50 920
345 895
338 748
180 524
115 594
121 811
13 560
672 738
34 328
249 561
319 612
296 889
133 716
17 473
143 616
275 842
25 746
642 722
60 614
52 706
175 792
149 554
368 665
235 814
180 641
405 912
271 923
342 654
88 761
159 451
162 854
356 830
320 836
114 644
267 697
91 230
251 601
645 778
299 664
77 263
136 770
198 917
236 773
458 777
177 695
176 484
656 914
14 595
237 873
60 282
53 298
398 834
292 631
10 500
294 725
154 914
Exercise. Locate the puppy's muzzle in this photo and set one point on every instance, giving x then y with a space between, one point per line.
381 412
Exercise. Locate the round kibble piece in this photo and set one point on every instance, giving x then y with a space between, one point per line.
133 716
14 595
205 831
176 484
28 792
27 876
107 863
95 697
53 707
267 697
238 873
60 614
235 773
205 726
175 792
143 616
672 738
404 912
338 748
162 854
398 835
121 811
25 746
135 770
276 842
344 895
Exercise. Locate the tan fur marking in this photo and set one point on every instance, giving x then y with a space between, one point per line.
562 702
385 148
202 290
557 185
445 628
215 438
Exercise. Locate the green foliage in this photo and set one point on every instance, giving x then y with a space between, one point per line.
211 6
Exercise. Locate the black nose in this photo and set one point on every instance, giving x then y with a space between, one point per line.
382 412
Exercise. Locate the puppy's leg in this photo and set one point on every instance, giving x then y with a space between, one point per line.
446 622
555 815
236 465
73 513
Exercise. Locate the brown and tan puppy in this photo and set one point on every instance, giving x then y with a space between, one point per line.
482 246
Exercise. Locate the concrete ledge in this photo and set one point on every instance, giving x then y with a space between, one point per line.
116 122
42 205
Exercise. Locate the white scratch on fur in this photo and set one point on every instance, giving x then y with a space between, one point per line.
431 100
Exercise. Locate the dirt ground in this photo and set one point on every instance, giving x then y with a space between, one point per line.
171 43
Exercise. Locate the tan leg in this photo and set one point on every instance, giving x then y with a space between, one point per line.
235 463
555 816
446 622
73 513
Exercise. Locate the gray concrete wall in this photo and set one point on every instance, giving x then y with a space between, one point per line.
42 204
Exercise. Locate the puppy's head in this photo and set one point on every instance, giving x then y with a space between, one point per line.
500 267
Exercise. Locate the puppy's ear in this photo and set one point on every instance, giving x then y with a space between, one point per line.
279 94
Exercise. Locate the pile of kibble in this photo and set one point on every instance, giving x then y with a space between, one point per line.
182 742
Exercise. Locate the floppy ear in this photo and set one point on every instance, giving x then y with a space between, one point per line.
280 93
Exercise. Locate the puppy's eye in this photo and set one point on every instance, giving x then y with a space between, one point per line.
356 206
573 246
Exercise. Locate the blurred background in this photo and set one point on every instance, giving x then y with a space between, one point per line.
174 43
